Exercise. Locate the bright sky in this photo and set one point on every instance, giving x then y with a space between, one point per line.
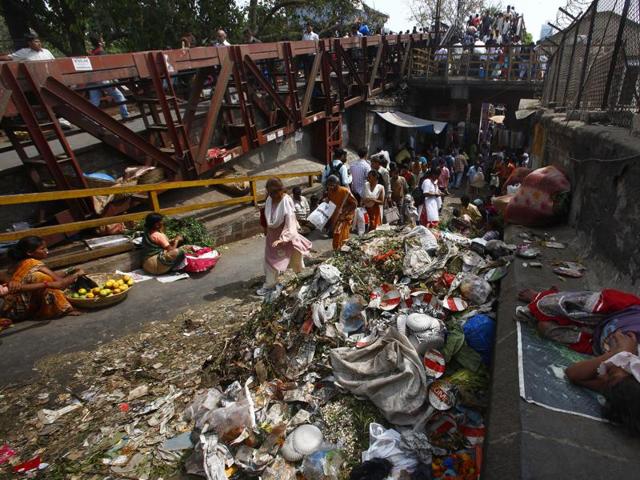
536 12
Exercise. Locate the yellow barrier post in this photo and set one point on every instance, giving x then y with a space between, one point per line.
155 204
254 192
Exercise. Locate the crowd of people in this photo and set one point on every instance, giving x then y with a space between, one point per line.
372 189
496 47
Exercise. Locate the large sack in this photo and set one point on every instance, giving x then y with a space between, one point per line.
388 372
543 199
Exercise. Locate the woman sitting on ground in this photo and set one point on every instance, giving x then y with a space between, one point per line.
606 324
161 254
284 246
34 291
373 198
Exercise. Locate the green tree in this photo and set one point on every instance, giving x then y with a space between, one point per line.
62 23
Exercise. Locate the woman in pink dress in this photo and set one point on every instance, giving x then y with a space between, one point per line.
284 247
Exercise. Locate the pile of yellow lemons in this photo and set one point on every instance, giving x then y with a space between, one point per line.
110 287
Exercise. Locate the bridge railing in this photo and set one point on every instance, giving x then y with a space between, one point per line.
596 67
151 190
457 63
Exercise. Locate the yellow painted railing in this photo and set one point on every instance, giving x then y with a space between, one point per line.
151 190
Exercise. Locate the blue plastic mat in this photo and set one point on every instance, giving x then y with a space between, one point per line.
542 379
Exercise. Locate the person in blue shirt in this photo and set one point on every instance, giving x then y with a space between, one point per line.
364 29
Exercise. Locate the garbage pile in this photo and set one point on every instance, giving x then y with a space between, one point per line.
374 363
378 360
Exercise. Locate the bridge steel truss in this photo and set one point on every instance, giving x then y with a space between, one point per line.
234 98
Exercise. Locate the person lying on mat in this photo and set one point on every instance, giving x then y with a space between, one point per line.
605 323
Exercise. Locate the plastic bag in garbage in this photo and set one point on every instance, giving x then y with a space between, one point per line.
497 248
475 289
352 316
203 403
322 465
385 443
480 332
427 239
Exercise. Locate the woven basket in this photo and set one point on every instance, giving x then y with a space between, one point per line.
98 302
152 176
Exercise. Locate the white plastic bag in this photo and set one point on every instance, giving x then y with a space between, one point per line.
321 215
513 189
391 215
360 220
386 444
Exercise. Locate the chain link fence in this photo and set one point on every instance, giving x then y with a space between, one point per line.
596 63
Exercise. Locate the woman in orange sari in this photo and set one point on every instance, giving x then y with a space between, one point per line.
342 218
35 292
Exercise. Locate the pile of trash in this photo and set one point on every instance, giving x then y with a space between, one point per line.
374 364
377 360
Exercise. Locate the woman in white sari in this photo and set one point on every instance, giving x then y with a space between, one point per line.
284 247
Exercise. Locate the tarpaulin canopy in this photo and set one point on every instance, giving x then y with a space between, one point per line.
403 120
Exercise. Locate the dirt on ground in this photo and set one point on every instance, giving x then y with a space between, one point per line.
122 400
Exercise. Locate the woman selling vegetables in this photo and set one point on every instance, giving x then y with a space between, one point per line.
34 291
160 254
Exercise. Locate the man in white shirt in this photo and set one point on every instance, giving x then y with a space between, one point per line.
337 167
309 34
34 51
359 171
221 39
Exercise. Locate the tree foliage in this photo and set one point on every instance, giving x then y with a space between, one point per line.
133 25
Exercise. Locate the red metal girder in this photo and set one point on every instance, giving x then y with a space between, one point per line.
160 74
213 113
31 122
264 83
79 208
195 92
352 67
240 80
326 78
128 65
311 82
292 82
57 129
62 93
338 69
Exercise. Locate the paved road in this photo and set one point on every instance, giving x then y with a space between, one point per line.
28 342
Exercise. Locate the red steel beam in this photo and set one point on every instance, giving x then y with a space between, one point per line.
213 113
63 94
253 68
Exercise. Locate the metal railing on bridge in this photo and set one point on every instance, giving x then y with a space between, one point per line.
457 63
597 64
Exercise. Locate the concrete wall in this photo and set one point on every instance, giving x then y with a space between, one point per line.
603 164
